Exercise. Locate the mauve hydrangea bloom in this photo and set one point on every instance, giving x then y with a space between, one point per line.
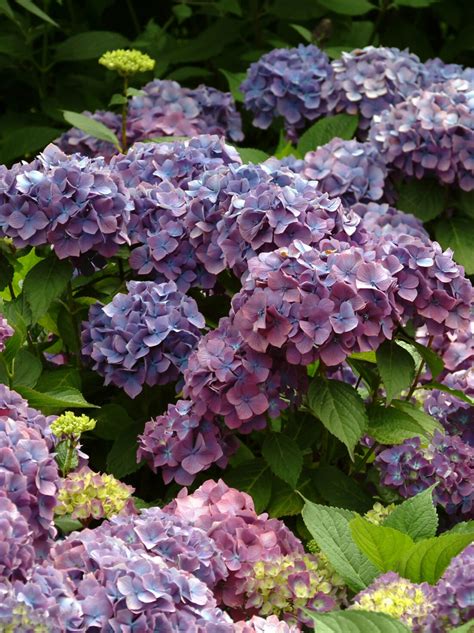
5 331
351 170
182 443
75 204
122 588
430 134
436 72
243 538
454 594
15 407
410 468
287 83
45 603
272 624
398 597
16 549
369 80
144 336
29 477
76 141
455 348
384 221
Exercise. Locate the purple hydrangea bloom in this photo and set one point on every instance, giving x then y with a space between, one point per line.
5 332
182 443
142 337
369 80
16 549
455 348
430 134
45 602
288 83
272 624
76 141
383 221
437 72
447 461
454 594
126 588
351 170
75 204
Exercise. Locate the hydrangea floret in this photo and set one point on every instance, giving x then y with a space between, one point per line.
378 513
127 62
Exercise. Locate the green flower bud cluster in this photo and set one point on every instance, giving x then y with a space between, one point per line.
379 513
69 424
86 495
22 620
127 62
286 584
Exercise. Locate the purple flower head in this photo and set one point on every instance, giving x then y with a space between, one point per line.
5 332
383 221
288 83
271 624
133 340
16 550
437 72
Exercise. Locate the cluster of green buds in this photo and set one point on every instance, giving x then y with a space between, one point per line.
379 513
68 429
127 62
23 619
85 495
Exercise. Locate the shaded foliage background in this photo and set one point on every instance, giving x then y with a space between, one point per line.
49 49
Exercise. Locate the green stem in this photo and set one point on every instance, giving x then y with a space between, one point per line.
12 292
71 447
75 323
133 16
418 373
124 115
362 461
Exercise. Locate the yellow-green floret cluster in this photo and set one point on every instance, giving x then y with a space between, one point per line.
127 62
286 584
397 597
21 621
379 513
69 424
85 495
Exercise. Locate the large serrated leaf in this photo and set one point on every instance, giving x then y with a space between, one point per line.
423 198
431 358
355 622
284 501
331 530
122 457
416 516
390 425
427 559
253 477
340 409
340 126
396 367
382 545
458 234
55 400
45 282
340 490
91 127
284 457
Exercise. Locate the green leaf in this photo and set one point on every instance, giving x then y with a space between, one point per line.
391 425
122 457
304 32
341 125
188 72
89 45
62 457
235 81
27 369
348 7
284 501
67 525
423 198
55 400
135 92
118 99
331 530
253 477
340 409
32 8
6 272
468 627
56 378
457 393
340 490
465 527
6 9
458 234
382 545
396 367
416 516
91 127
465 202
45 282
426 560
427 422
230 6
251 155
284 457
26 141
417 4
355 622
367 371
431 358
112 419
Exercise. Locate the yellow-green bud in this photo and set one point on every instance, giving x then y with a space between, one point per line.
379 513
70 424
127 62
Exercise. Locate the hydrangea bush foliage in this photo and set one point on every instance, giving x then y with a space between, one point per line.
236 389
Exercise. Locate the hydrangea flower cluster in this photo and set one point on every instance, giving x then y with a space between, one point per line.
371 79
430 134
272 624
16 550
410 468
142 337
454 594
6 331
127 62
121 588
351 170
75 204
403 600
45 603
86 495
249 543
383 221
68 423
14 407
288 83
181 443
437 72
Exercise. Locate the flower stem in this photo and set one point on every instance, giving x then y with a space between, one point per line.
124 115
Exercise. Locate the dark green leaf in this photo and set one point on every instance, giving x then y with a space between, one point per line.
27 369
112 419
284 500
423 198
348 7
65 461
431 358
340 490
89 45
427 422
340 409
55 400
251 155
304 32
341 126
26 141
468 627
230 6
367 371
68 330
416 516
391 425
118 99
56 378
122 457
6 272
284 457
417 4
465 201
45 282
396 367
6 9
355 622
32 8
234 80
91 127
188 72
384 546
458 234
254 478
